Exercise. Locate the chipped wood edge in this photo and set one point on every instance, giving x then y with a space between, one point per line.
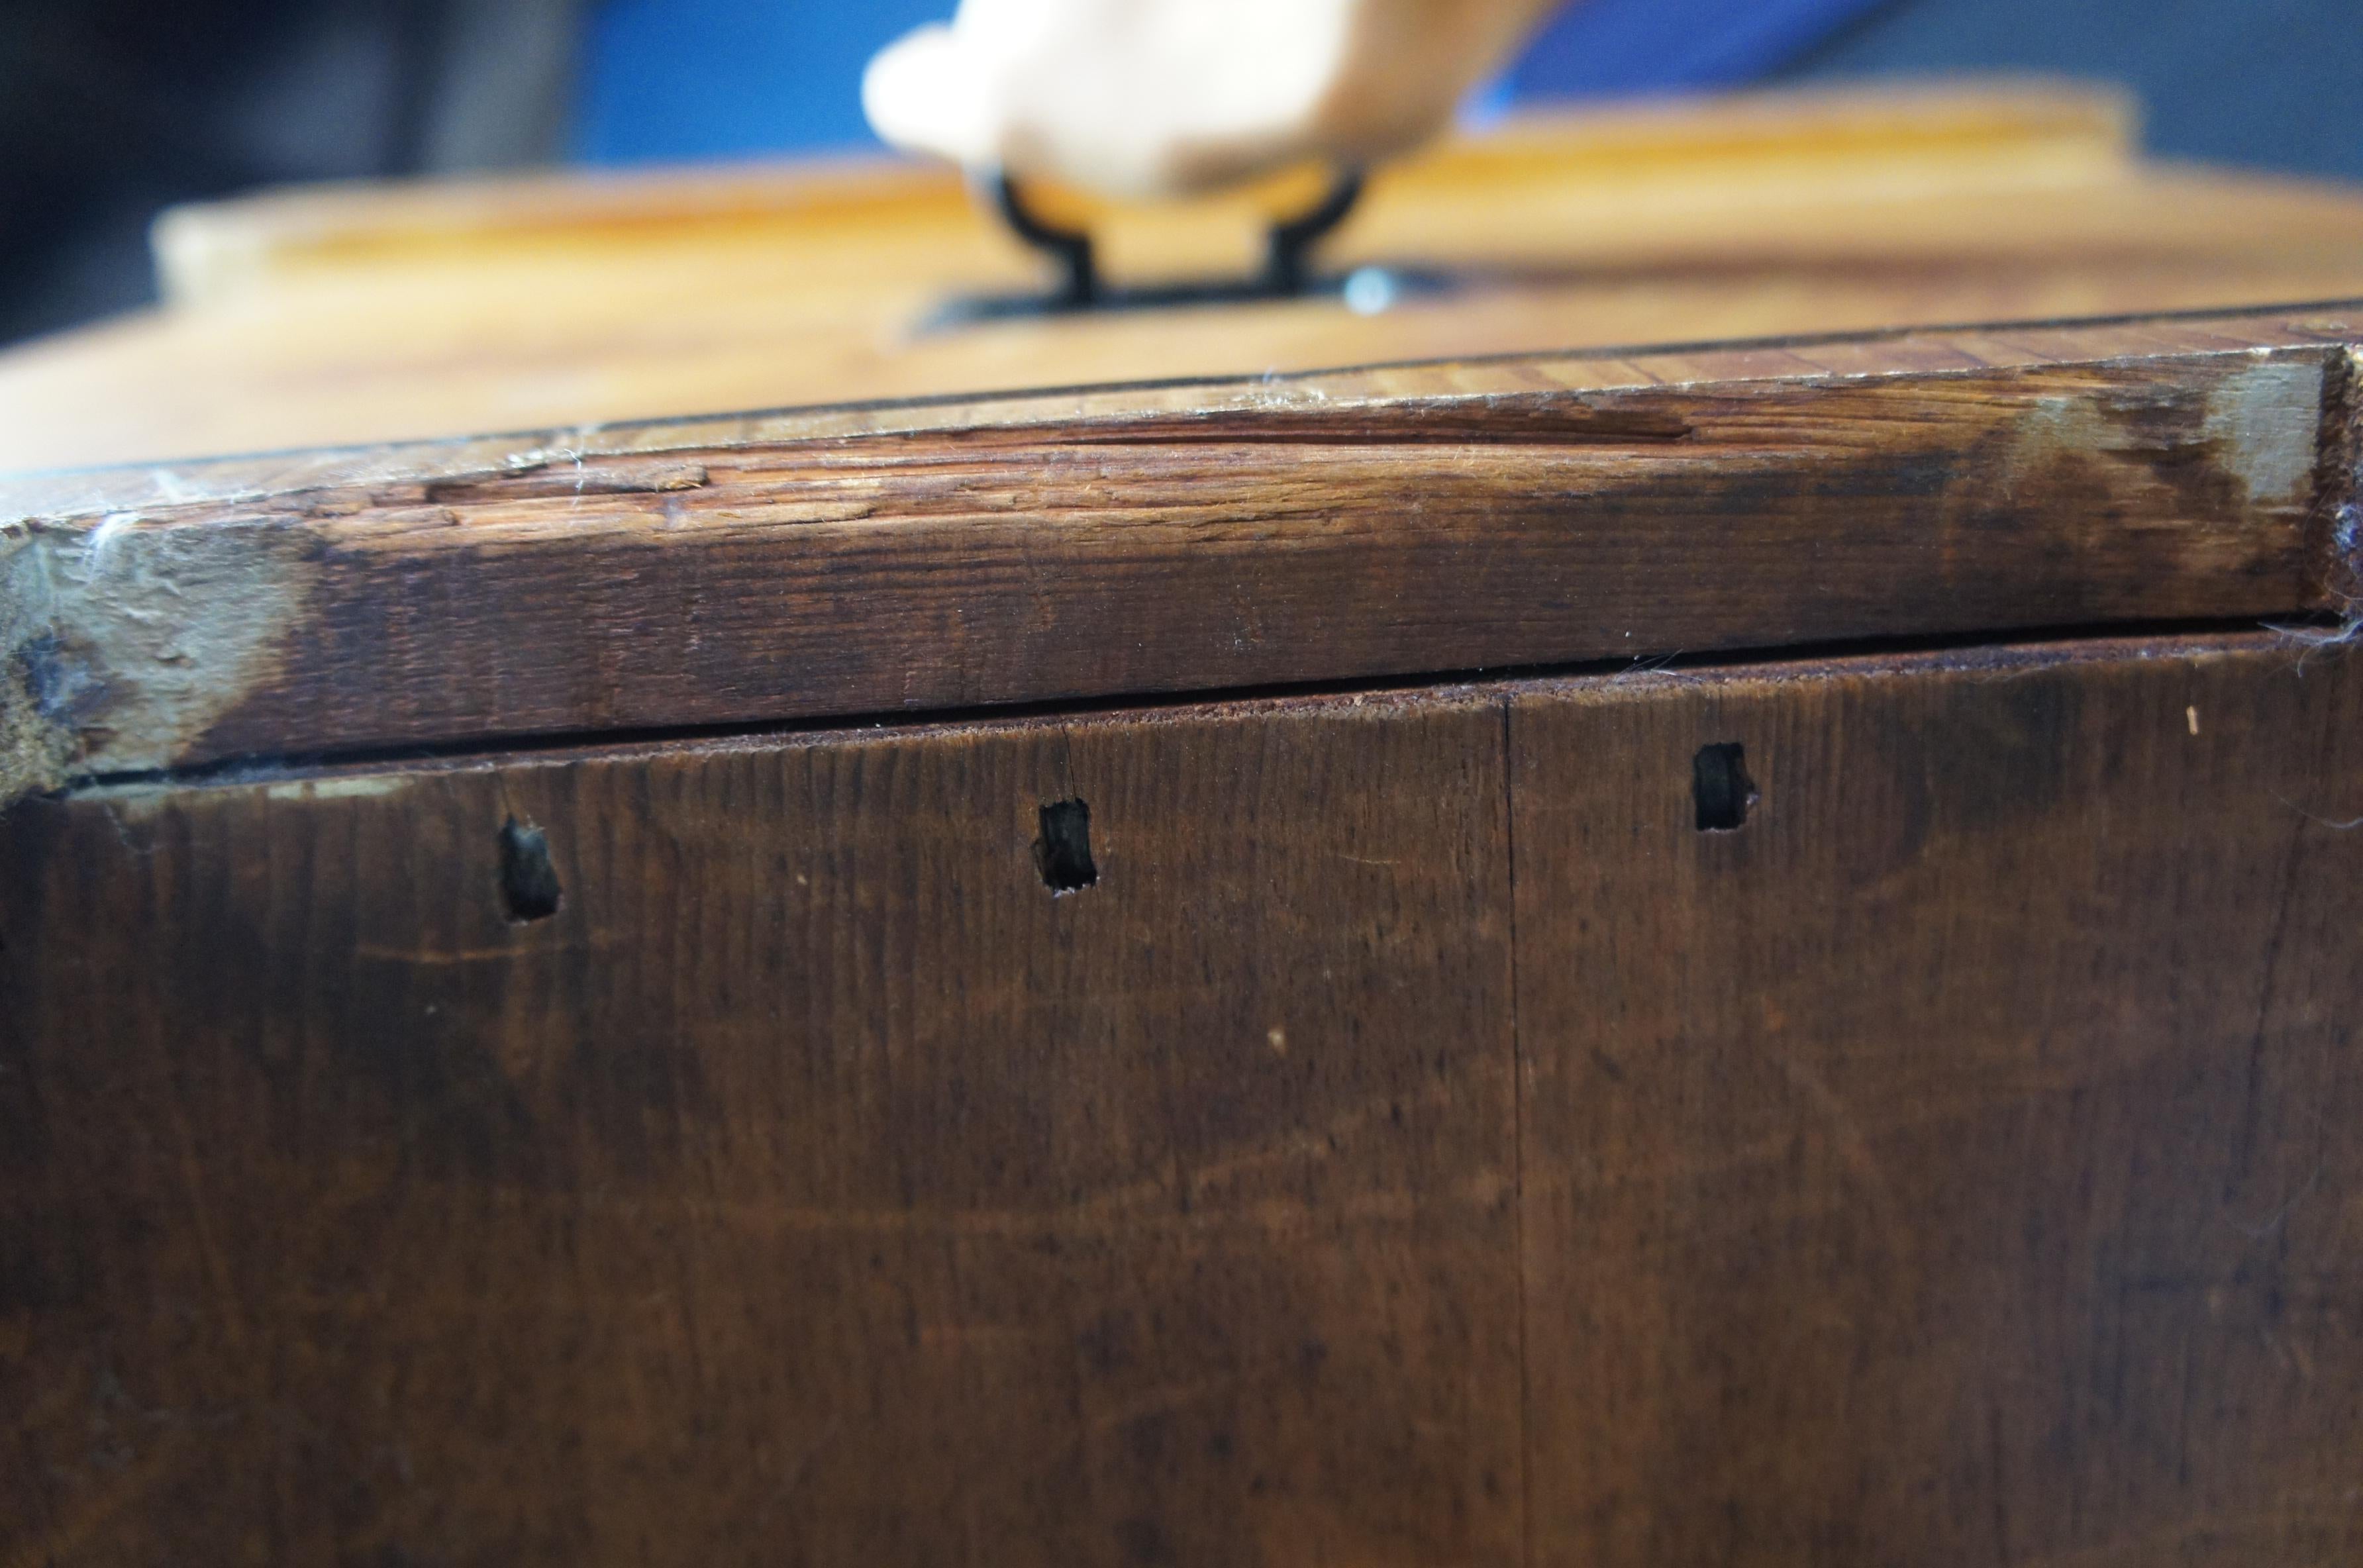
2340 507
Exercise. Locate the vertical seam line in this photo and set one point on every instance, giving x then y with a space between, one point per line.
1518 1149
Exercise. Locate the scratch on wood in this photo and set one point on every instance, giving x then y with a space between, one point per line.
578 478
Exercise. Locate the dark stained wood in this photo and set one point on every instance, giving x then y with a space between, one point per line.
1207 538
812 1187
1963 1161
1420 1144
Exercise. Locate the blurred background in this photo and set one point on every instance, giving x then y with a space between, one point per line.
113 109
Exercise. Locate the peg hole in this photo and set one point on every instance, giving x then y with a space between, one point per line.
1063 852
1721 788
529 887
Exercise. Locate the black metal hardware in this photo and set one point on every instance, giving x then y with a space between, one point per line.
1291 240
1071 249
1287 272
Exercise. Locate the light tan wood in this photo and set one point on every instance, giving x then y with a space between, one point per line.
371 316
1533 189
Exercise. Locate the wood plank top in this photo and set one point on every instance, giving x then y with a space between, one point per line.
1394 520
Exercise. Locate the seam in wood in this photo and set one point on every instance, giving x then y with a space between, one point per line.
2005 656
1518 1141
1512 420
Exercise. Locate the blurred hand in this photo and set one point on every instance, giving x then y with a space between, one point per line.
1148 97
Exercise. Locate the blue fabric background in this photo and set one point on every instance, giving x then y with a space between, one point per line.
2264 82
1647 46
680 79
669 79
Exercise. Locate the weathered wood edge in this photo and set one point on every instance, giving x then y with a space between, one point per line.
2338 505
1401 521
102 492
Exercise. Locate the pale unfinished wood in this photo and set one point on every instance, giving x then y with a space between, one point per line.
1540 188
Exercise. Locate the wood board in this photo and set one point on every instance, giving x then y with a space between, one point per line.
1404 521
1419 1143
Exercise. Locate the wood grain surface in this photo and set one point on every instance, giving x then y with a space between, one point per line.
813 1187
486 1077
1959 1163
1419 1143
380 314
1512 512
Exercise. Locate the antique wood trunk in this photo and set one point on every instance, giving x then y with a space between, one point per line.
1736 952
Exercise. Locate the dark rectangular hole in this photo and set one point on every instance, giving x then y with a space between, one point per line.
1720 785
529 889
1063 852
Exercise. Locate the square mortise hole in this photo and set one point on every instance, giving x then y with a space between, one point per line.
529 887
1063 852
1721 788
